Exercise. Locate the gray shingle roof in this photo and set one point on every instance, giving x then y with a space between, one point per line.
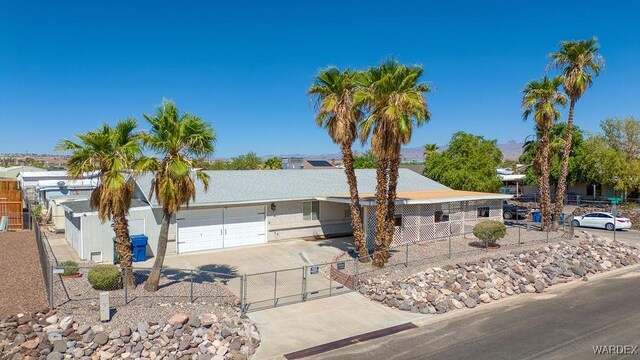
244 186
83 206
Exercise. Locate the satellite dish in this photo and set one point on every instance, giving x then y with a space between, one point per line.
60 183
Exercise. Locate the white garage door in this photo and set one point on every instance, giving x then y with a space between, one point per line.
210 229
200 230
244 226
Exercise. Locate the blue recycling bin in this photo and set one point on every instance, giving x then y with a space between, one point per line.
535 216
561 221
139 247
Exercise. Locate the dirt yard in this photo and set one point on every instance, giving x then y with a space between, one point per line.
21 285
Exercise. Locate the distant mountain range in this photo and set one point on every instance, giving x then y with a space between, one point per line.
510 150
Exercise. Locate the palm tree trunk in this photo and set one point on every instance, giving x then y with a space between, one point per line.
154 277
394 164
544 190
123 247
381 212
564 167
356 219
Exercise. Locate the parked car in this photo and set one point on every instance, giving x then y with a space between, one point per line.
510 211
602 220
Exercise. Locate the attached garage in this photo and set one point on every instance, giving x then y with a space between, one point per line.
218 228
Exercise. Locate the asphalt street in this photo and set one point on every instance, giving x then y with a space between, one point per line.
563 323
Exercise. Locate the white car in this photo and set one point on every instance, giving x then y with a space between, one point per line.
602 220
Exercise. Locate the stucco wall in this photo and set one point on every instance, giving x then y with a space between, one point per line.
98 236
287 221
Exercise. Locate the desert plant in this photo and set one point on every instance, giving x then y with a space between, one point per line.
104 277
490 231
37 212
70 268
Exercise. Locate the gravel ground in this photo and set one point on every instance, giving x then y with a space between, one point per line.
463 249
22 286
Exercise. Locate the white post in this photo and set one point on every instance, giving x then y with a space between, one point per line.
105 313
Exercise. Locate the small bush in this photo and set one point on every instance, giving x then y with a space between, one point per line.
490 231
104 277
70 267
629 206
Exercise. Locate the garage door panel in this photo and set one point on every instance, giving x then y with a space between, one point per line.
244 226
200 230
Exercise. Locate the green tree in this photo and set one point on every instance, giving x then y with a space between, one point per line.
114 152
274 163
623 134
333 91
469 163
395 100
177 138
607 165
249 161
540 100
365 161
580 63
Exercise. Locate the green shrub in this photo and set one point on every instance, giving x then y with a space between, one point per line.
70 267
490 231
629 206
104 277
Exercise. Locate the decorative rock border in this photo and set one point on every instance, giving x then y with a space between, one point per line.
439 290
44 335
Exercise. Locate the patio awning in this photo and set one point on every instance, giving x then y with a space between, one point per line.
421 197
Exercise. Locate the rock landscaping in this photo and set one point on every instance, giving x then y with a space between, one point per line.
437 290
52 336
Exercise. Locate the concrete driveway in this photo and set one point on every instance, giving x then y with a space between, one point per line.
275 273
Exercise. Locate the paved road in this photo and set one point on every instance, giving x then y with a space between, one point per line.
564 323
630 237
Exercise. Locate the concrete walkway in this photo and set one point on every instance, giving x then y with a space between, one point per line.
300 326
61 249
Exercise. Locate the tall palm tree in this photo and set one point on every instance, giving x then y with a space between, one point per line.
430 149
333 91
177 139
580 63
115 153
540 99
395 100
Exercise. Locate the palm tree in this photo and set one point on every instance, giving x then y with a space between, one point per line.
580 63
333 91
114 152
395 101
176 138
540 99
430 149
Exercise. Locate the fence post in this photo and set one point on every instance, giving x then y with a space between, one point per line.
406 255
547 234
242 294
51 295
191 287
519 236
330 279
304 283
126 287
449 245
355 275
275 287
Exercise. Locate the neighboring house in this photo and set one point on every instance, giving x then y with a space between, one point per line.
579 192
40 186
511 183
301 163
56 210
417 168
251 207
12 172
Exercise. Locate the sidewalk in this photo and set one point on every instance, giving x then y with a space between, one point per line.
296 327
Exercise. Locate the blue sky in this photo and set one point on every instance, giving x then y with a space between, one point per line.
66 67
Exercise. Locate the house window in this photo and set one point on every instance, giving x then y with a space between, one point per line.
347 211
397 220
311 210
483 212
